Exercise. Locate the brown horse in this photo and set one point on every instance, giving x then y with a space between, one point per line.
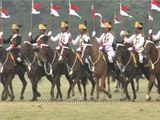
77 69
34 70
153 55
100 68
49 57
8 71
126 69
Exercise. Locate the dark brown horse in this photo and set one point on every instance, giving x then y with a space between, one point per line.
126 70
100 68
77 69
35 71
153 55
49 57
9 69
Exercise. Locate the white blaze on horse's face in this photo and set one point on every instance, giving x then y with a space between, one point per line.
62 52
84 49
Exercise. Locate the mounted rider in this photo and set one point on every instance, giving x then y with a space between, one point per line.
155 38
137 41
83 37
106 42
63 37
15 39
42 38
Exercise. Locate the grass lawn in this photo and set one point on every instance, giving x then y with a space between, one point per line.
44 109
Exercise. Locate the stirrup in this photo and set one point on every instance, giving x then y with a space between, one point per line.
71 72
19 59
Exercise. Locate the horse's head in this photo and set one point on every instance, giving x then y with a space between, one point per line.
65 51
25 50
2 50
149 48
87 50
120 54
44 53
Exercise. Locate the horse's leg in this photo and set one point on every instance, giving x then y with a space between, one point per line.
55 80
58 84
70 86
33 83
133 89
79 87
97 88
158 83
3 81
137 82
24 84
84 81
102 87
12 93
108 83
150 85
51 79
93 87
120 80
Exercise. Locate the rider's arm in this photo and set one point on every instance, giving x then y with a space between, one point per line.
156 37
100 38
7 40
76 41
130 39
56 38
34 40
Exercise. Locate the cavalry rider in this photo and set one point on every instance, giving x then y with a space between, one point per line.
63 37
137 40
82 38
106 41
154 38
15 42
42 38
14 39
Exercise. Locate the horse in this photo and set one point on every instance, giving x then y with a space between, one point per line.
34 70
49 57
10 67
153 55
100 67
77 68
126 69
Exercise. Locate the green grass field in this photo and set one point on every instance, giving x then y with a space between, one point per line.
44 109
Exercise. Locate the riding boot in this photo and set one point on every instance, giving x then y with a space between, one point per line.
112 68
88 70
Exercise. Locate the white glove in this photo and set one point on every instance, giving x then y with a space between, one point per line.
30 34
150 31
1 33
93 33
150 18
122 33
49 33
14 36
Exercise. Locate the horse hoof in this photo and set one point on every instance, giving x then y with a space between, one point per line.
133 100
21 98
38 94
85 99
129 98
116 91
122 99
34 99
92 98
148 98
109 95
12 99
157 99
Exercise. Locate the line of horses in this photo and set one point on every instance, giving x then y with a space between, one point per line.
45 61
